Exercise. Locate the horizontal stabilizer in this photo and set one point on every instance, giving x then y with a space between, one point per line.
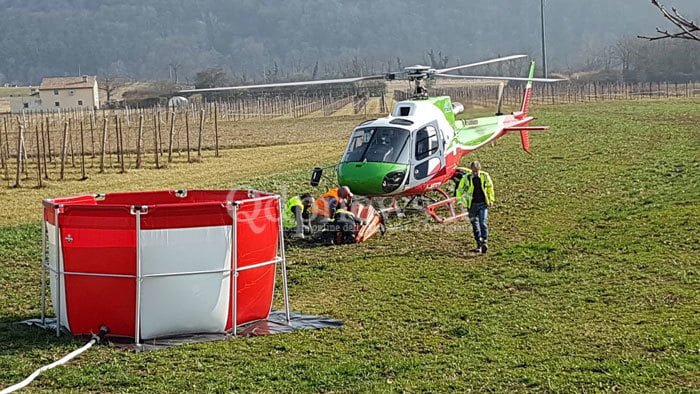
525 134
525 128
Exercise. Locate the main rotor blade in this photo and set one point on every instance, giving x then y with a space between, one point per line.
500 59
284 84
499 78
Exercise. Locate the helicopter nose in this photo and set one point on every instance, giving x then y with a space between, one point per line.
372 179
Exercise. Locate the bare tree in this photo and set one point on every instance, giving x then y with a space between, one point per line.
626 52
623 51
173 67
109 83
689 29
438 61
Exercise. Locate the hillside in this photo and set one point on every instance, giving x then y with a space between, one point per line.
248 38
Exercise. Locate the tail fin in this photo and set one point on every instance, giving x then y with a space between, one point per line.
525 140
522 120
525 108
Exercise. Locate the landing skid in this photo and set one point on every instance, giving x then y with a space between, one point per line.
446 202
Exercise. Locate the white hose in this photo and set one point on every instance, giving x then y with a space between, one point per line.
62 361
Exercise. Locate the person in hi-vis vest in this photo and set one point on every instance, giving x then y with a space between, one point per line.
295 217
475 192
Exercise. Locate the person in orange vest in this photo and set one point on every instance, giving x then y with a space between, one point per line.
323 209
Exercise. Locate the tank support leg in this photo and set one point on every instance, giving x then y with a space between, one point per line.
234 264
43 272
59 272
282 256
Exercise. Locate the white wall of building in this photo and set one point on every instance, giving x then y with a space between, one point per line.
59 99
25 103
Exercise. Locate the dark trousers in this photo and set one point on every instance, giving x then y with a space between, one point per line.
342 230
479 218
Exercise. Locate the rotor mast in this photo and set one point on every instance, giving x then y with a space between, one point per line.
416 74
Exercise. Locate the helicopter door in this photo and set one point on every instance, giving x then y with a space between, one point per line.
428 156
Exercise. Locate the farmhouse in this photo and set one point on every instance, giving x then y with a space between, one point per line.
69 92
54 94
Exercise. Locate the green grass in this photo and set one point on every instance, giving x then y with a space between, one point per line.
591 285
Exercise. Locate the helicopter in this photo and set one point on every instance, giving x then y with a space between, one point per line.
415 150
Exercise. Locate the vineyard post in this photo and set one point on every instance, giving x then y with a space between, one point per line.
120 144
187 134
82 153
25 154
139 137
64 145
92 134
20 144
7 169
155 140
216 132
38 156
104 144
201 130
177 137
116 134
156 125
43 149
70 140
7 140
172 133
48 139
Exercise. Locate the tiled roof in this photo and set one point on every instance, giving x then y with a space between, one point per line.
86 81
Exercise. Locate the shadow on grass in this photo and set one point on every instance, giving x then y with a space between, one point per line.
17 338
305 244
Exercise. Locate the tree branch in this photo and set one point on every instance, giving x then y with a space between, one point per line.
687 26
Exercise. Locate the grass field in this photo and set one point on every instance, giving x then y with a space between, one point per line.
592 282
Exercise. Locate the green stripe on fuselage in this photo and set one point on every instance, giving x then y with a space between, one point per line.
472 132
365 178
444 104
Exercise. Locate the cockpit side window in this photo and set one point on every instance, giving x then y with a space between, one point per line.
426 142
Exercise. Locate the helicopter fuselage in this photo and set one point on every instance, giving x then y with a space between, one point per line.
415 149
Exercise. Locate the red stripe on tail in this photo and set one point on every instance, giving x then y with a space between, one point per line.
525 108
525 139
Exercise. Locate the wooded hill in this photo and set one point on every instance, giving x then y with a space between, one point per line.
282 40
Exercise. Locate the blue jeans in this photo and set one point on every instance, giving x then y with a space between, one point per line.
479 217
